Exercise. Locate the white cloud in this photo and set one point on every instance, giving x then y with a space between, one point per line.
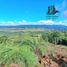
7 23
63 8
47 22
41 22
65 13
13 23
62 23
64 4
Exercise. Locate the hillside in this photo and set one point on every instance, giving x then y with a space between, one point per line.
33 49
47 27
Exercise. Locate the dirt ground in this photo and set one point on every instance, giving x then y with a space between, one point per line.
56 56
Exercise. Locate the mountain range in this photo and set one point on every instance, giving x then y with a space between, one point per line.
49 27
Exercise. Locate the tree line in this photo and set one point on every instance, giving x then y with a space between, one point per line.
55 37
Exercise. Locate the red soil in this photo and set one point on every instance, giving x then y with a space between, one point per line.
51 61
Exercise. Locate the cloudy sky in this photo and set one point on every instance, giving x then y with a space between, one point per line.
20 12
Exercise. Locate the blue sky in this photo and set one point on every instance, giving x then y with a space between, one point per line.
31 12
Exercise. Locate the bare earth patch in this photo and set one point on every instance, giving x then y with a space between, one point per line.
56 56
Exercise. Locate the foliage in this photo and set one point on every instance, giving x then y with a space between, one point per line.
22 47
16 54
56 37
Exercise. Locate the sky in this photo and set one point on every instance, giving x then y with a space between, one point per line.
20 12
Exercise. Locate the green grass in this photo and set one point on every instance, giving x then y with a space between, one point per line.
17 54
20 47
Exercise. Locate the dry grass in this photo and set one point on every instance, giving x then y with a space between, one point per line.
56 49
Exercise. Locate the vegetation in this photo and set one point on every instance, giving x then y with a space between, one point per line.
56 37
24 47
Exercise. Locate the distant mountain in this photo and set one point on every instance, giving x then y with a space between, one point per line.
49 27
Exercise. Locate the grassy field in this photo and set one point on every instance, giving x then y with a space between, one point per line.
26 47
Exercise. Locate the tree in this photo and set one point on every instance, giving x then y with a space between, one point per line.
56 37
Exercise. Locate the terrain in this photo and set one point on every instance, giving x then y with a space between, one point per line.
31 48
45 27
